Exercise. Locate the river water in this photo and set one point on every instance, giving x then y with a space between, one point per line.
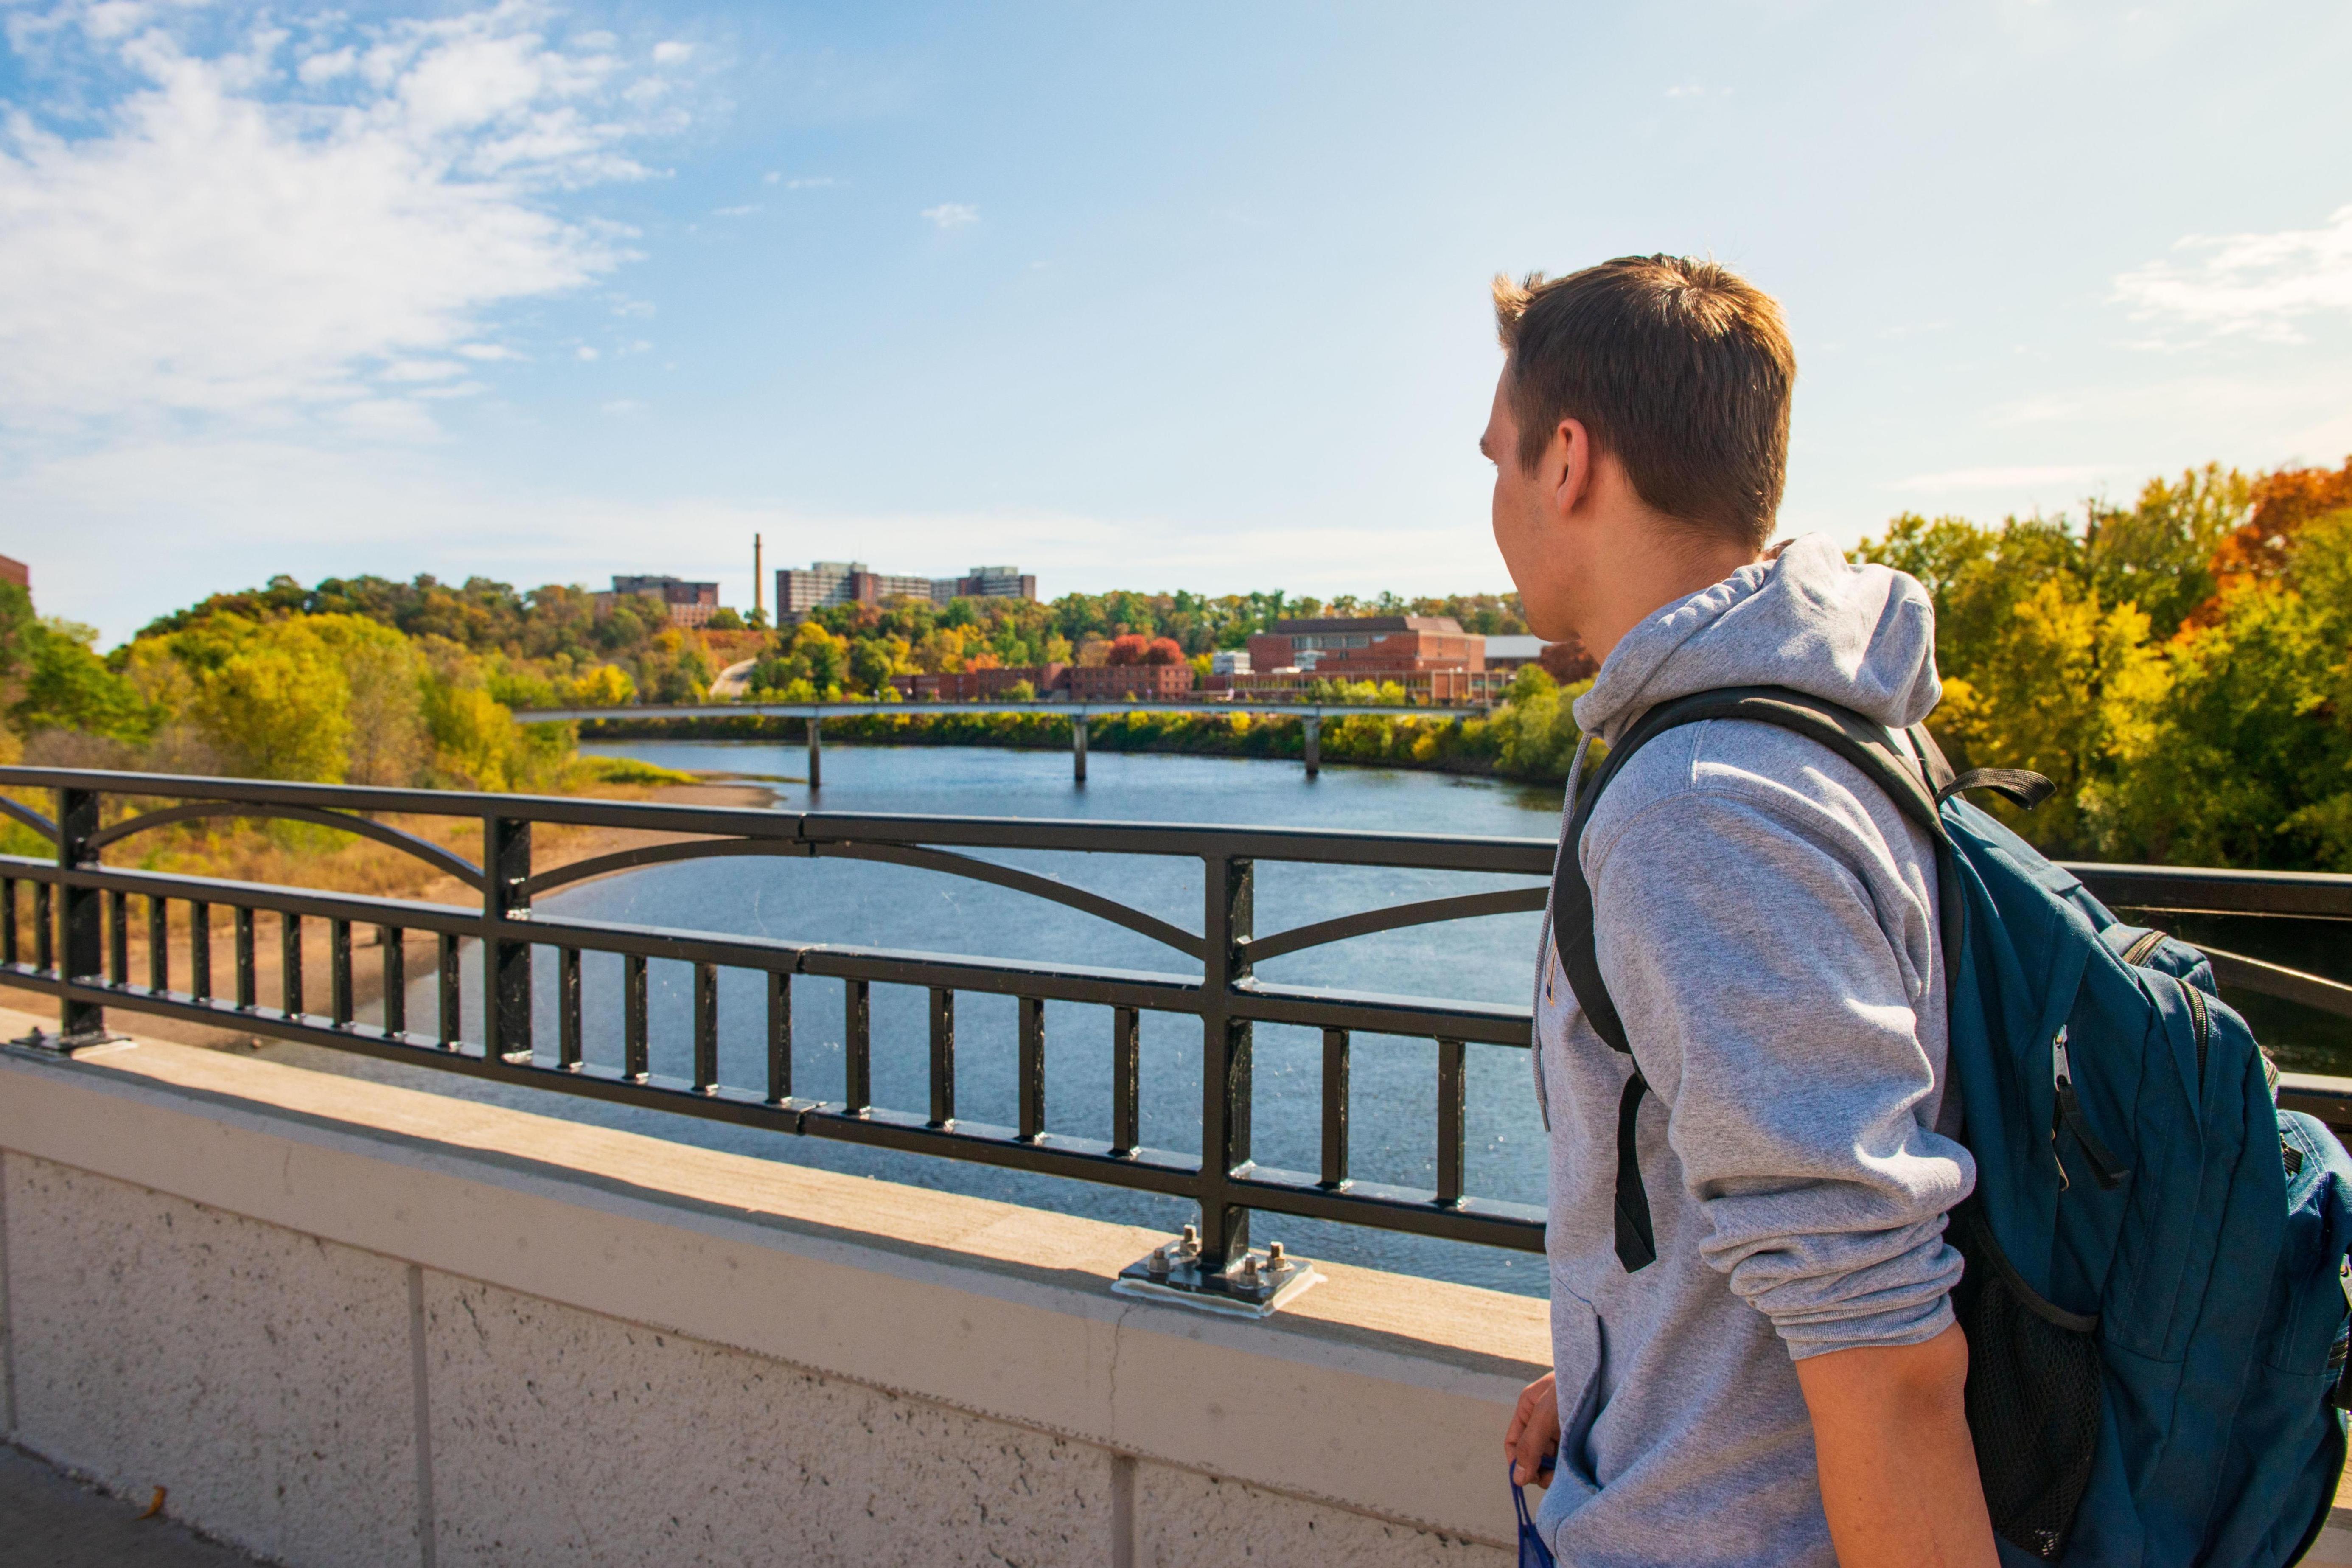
1394 1087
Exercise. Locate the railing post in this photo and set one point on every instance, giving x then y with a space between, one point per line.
80 917
1313 727
506 964
1078 747
816 751
1225 1062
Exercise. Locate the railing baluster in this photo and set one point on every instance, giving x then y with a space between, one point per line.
45 929
118 937
81 919
780 1036
1335 1107
289 958
7 919
245 981
1126 1080
505 962
706 1028
159 944
339 971
391 946
1229 883
567 1009
1033 1069
856 1047
633 1043
200 951
942 1055
453 996
1449 1123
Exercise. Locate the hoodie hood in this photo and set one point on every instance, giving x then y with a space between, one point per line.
1863 636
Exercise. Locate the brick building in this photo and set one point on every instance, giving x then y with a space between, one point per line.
979 685
17 571
687 603
1137 682
1429 655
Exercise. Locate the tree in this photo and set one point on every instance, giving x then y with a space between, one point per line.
66 686
389 742
723 619
275 704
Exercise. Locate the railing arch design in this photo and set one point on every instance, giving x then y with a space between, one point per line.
409 844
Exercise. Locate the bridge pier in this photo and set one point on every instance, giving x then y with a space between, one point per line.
816 753
1313 725
1078 747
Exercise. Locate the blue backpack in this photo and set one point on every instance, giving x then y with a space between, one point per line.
2154 1297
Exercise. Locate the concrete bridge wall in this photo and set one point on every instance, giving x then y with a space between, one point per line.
345 1323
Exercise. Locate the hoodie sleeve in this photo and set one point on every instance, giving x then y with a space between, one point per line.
1772 963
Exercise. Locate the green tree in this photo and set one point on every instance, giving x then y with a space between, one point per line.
66 686
276 705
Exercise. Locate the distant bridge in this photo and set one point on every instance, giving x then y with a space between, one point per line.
1309 714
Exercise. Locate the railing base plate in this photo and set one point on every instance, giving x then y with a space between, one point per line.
70 1045
1257 1287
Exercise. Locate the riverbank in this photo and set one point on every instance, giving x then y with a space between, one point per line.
1530 741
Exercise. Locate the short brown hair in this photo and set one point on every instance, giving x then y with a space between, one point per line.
1681 369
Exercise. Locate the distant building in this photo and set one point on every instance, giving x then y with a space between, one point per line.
979 685
688 603
1230 661
1114 682
17 571
1079 683
853 582
1429 655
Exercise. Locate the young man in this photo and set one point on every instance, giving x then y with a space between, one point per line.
1783 1386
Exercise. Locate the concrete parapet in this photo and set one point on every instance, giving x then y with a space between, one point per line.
345 1322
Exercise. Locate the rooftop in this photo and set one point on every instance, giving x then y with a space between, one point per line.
1446 624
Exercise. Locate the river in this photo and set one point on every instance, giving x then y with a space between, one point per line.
1394 1087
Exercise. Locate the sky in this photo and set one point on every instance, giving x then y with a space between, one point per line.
1136 297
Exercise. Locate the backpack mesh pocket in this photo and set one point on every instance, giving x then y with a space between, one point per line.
2032 1396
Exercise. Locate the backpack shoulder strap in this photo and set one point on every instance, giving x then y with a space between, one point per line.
1915 790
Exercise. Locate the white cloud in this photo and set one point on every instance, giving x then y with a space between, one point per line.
744 211
827 182
268 232
585 352
2003 478
670 52
952 215
2256 284
624 405
1688 90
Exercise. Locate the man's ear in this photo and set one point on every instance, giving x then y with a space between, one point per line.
1568 468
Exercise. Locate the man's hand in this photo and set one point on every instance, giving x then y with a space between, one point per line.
1534 1434
1898 1471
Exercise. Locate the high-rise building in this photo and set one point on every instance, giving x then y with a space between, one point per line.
854 583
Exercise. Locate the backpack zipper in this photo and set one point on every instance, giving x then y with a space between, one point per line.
2200 1024
2142 945
2067 1113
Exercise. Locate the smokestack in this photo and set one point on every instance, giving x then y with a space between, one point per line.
759 583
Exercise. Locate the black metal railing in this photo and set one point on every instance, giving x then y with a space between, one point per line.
80 913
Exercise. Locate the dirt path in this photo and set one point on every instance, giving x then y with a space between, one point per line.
555 845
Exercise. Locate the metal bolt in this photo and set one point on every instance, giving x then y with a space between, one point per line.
1249 1271
1273 1258
1192 1242
1160 1260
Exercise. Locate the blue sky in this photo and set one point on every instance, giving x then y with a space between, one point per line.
1129 296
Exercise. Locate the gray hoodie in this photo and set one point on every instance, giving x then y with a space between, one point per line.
1766 920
